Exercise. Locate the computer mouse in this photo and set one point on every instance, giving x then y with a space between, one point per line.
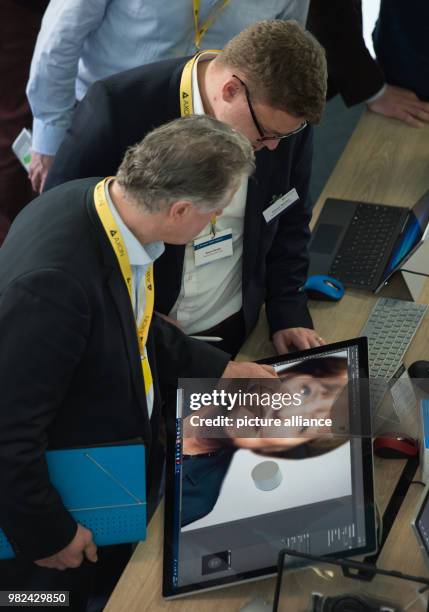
391 445
419 372
321 287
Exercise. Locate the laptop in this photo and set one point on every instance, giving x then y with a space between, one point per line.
363 244
229 512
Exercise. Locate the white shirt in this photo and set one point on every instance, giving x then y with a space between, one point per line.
140 258
212 292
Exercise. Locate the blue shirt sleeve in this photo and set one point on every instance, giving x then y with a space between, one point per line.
51 87
295 9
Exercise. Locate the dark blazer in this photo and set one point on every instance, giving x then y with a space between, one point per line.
401 42
353 73
120 110
69 359
202 478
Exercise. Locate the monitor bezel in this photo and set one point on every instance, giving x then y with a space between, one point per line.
424 499
171 592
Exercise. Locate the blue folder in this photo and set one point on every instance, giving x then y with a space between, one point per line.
103 488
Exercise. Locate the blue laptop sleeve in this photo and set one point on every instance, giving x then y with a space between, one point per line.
104 489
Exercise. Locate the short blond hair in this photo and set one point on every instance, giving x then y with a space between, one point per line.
283 65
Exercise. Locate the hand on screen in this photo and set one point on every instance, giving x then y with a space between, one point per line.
301 338
244 369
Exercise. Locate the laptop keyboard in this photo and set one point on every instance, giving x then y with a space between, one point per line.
390 328
365 243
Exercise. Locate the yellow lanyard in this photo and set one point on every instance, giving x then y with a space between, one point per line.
187 101
116 240
200 30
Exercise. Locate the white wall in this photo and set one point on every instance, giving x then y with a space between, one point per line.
370 10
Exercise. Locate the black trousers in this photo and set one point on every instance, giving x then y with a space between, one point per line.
88 580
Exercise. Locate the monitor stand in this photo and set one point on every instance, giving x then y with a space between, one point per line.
406 286
419 262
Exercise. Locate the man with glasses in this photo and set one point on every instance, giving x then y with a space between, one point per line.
269 83
261 131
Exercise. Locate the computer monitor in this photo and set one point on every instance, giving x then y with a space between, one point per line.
413 234
421 524
224 526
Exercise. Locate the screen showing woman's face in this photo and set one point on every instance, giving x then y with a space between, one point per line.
317 397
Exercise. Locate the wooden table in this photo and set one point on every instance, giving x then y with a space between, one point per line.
386 162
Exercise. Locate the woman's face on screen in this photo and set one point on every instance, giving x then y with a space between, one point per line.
312 397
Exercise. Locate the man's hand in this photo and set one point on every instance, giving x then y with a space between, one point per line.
401 104
299 337
39 168
244 369
72 555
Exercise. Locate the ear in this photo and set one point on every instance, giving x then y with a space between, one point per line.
229 90
179 210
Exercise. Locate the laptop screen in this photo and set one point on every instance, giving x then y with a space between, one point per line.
230 511
414 232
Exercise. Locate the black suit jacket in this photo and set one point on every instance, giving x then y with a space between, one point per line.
353 73
118 111
401 42
69 359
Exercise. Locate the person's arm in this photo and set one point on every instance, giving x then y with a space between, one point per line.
353 73
90 145
44 325
402 104
295 10
180 356
51 87
287 260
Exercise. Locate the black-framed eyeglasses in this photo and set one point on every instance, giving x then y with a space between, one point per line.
261 132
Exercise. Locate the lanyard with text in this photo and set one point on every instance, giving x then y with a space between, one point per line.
200 30
187 102
118 245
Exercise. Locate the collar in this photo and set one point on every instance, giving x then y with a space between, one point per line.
138 254
198 104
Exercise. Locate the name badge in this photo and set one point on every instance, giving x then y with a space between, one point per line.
210 248
280 205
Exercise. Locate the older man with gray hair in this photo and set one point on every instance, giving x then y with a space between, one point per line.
82 360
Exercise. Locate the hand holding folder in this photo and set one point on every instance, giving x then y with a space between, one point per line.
104 489
82 546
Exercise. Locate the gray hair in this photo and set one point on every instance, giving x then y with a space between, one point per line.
194 158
